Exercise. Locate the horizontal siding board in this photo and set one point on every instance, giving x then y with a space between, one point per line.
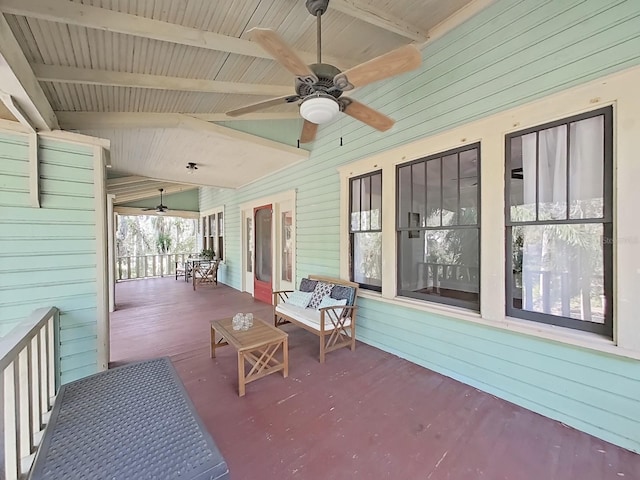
25 278
70 173
43 232
51 246
71 371
14 167
40 216
45 262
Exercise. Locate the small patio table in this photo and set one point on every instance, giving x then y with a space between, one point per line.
257 346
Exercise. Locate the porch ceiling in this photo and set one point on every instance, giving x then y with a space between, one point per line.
126 70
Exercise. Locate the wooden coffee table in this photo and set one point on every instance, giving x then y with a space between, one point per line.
257 346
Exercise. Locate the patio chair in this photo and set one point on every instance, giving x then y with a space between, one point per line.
205 272
181 269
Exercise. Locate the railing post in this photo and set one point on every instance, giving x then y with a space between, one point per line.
128 268
154 266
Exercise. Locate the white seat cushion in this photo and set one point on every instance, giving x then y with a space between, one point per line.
308 316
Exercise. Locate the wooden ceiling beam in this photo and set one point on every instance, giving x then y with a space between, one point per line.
72 13
61 74
380 18
111 120
18 81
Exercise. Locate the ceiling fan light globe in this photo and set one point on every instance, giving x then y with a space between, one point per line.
319 110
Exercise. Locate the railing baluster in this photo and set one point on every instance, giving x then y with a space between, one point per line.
24 406
42 372
34 367
128 268
51 363
11 460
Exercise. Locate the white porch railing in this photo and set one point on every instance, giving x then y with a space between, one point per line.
28 360
146 266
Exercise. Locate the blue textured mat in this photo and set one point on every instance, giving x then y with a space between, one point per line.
130 422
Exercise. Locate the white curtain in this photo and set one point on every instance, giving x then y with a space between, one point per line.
562 264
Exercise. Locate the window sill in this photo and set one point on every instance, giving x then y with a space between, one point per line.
567 336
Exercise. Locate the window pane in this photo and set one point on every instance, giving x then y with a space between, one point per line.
365 203
263 245
417 218
212 225
404 196
468 187
433 193
586 164
558 270
249 253
552 173
367 258
523 178
450 190
287 246
220 224
355 205
443 262
376 202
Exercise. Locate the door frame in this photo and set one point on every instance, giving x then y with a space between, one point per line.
277 200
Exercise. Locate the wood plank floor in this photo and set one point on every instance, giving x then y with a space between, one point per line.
362 415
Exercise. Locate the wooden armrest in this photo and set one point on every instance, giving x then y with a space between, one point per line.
282 291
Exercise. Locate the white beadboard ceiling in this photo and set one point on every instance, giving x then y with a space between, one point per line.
98 57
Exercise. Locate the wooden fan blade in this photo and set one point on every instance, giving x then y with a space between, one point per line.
309 131
395 62
367 115
264 104
283 53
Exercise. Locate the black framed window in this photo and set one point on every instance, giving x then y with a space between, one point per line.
219 243
365 230
559 222
438 227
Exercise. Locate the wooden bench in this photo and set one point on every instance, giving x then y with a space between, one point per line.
334 325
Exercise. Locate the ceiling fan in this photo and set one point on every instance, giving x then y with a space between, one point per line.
319 86
159 209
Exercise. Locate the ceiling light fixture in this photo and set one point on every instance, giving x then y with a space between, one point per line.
319 109
191 167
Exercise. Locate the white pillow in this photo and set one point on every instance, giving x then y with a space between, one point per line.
299 299
327 301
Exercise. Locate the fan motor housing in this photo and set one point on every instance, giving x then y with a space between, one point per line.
316 7
325 74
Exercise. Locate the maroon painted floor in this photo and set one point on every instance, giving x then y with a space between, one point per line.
365 414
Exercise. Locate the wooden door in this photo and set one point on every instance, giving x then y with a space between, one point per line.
263 266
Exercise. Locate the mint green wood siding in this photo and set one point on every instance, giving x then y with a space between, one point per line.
510 54
48 254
